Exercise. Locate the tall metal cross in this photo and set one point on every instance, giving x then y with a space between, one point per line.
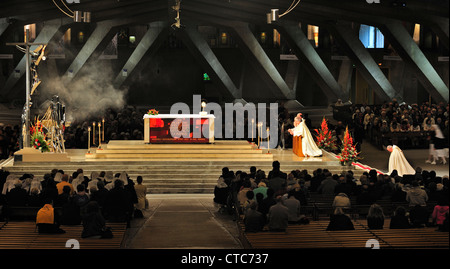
28 83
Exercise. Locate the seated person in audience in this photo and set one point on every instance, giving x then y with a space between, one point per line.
328 185
399 220
300 194
221 191
242 194
253 219
250 199
341 200
47 221
440 211
262 188
375 217
100 194
17 196
416 195
278 216
81 198
94 225
118 203
34 199
141 192
64 197
266 203
419 216
365 197
339 221
293 206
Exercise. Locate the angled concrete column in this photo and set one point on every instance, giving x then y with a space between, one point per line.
366 65
260 61
410 52
202 52
101 30
3 26
147 43
309 57
441 28
45 35
345 78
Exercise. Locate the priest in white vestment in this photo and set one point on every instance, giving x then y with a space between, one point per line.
397 161
309 146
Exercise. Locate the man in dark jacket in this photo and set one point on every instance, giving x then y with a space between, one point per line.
118 204
17 196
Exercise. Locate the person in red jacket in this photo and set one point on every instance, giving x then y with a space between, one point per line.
439 212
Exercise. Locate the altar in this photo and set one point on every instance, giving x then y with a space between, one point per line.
179 128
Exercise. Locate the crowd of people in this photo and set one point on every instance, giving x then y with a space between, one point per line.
88 200
376 122
9 135
274 201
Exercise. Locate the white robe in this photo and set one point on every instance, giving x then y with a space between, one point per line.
397 161
309 146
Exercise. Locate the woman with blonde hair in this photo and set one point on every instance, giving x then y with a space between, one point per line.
375 217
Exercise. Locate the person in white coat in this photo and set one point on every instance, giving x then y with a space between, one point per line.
309 146
398 162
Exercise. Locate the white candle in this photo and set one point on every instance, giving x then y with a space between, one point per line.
89 139
93 133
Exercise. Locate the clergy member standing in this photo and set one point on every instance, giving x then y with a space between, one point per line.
309 146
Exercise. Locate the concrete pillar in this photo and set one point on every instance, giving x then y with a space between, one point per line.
260 61
349 41
100 32
206 57
147 43
410 52
309 57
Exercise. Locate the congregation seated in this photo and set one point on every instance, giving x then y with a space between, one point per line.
58 187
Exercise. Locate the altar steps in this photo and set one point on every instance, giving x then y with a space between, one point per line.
177 168
172 177
120 151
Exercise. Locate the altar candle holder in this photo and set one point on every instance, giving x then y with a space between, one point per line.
89 140
253 122
259 134
93 133
103 126
268 141
99 135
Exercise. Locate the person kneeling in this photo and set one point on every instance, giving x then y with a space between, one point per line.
47 221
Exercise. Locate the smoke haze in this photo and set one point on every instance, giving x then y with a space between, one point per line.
87 95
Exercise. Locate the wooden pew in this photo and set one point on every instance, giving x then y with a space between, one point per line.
312 235
412 238
24 235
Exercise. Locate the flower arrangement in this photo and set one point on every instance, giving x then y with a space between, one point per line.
348 153
325 138
38 138
153 112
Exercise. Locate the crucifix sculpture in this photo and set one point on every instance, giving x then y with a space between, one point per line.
29 67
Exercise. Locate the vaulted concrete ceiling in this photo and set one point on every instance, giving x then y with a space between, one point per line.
326 13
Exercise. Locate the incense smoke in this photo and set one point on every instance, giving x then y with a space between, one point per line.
86 96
